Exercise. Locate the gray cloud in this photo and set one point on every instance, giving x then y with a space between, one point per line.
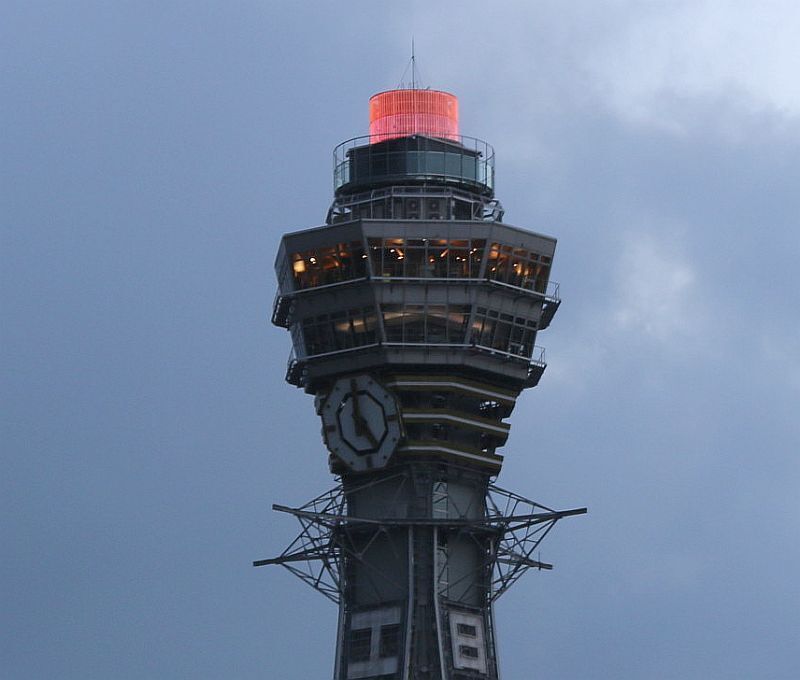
154 154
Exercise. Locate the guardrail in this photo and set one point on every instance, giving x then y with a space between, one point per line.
372 158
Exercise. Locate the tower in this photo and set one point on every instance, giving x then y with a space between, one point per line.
413 314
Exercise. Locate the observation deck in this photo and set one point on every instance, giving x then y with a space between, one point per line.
372 161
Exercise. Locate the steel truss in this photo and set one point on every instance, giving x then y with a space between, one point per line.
514 524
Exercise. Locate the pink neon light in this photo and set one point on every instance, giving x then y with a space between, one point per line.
402 113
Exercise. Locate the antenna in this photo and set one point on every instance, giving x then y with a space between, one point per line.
416 76
413 66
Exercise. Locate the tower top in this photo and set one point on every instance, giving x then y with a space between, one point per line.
408 112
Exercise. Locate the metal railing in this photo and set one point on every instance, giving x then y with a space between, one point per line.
551 294
369 159
537 358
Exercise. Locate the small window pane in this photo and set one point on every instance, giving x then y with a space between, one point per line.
390 640
360 644
468 651
466 629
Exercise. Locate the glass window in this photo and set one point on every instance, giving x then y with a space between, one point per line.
467 629
437 258
518 267
339 330
476 257
458 259
468 651
329 264
375 253
393 260
432 324
517 339
503 332
424 258
360 646
414 323
390 640
393 322
415 261
437 324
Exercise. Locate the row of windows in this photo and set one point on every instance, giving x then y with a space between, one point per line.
513 334
360 646
427 258
339 330
388 162
421 258
444 206
333 264
419 323
436 324
360 643
518 267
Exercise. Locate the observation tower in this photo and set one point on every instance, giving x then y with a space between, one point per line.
414 312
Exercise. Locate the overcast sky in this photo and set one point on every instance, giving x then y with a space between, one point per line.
152 154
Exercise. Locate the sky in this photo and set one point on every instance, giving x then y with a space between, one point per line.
151 156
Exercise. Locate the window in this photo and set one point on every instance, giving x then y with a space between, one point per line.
360 644
468 651
339 330
331 264
431 324
390 640
504 332
518 267
426 258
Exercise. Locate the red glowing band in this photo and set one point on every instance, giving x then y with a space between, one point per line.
402 113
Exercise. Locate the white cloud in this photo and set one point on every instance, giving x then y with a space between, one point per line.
655 292
648 62
661 54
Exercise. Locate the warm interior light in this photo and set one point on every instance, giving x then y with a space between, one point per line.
299 266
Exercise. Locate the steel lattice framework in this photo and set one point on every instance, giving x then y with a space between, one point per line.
328 533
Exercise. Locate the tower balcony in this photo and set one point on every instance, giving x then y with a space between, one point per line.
369 162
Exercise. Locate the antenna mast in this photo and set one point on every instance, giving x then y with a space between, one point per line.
413 67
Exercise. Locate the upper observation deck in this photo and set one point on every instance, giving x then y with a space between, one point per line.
413 140
373 161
